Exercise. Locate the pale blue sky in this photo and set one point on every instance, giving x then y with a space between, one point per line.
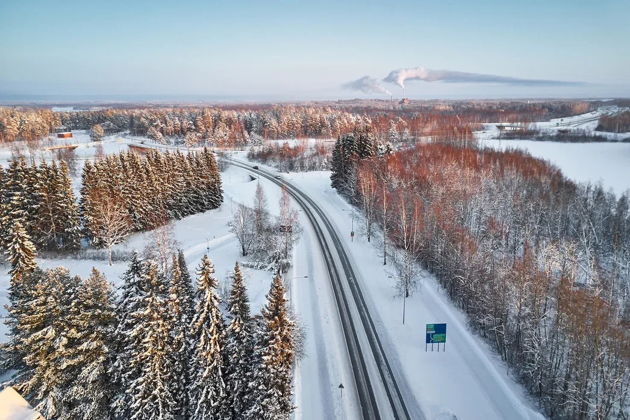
291 49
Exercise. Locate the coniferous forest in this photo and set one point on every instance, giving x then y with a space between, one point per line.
165 348
127 192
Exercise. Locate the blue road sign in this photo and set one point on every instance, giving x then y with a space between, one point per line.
436 333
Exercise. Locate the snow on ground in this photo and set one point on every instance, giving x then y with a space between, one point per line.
324 365
582 124
196 235
468 379
607 162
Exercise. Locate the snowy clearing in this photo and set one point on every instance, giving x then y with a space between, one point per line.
608 163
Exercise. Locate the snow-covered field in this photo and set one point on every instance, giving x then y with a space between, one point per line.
608 163
582 124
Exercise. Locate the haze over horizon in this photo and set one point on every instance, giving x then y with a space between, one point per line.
298 50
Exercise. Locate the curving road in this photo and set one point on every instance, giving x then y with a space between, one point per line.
378 392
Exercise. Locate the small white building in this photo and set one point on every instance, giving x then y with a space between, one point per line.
14 407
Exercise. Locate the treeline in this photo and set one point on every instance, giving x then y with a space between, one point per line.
293 158
162 349
539 264
235 127
618 123
217 126
126 193
40 197
474 112
26 124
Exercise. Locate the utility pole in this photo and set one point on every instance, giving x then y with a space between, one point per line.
352 231
405 300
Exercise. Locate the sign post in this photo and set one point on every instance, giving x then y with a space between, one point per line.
436 333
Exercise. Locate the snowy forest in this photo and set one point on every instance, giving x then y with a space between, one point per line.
120 194
227 126
234 127
127 193
538 263
164 348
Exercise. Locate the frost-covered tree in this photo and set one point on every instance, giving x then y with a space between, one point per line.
181 310
97 132
288 222
49 344
261 214
14 205
125 344
21 255
242 226
90 391
275 357
207 388
240 347
152 393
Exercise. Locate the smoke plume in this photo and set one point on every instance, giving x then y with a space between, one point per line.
420 73
366 84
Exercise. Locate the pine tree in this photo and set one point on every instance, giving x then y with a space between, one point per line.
272 390
152 393
90 391
207 389
240 347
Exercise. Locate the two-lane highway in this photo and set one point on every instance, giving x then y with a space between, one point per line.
377 389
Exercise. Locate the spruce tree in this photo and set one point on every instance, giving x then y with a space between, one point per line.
122 373
14 206
90 390
21 255
152 393
49 344
67 211
343 164
272 390
240 347
178 299
207 388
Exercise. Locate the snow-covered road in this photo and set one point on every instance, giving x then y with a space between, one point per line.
468 380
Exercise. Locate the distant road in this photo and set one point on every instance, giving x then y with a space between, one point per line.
378 392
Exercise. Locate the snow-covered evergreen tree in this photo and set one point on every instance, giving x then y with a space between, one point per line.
180 308
152 393
240 347
90 391
275 356
21 255
14 207
207 388
49 344
122 373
